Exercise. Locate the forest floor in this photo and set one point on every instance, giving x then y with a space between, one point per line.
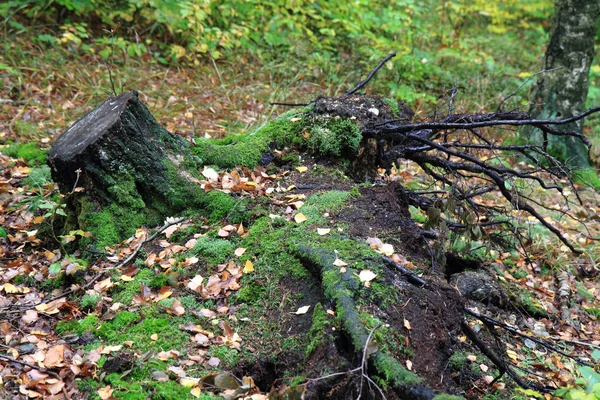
211 309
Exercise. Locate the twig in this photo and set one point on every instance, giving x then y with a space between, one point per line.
370 76
362 369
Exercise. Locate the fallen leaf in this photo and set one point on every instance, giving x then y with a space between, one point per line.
386 249
214 362
483 367
210 174
300 218
472 358
301 169
195 283
366 275
105 392
154 336
409 365
323 231
248 267
302 310
407 324
339 263
239 251
343 270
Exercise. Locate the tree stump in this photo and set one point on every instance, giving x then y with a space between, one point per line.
119 169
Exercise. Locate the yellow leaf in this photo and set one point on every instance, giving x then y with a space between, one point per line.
300 218
302 169
343 270
323 231
248 267
188 382
154 337
126 278
302 310
195 392
407 324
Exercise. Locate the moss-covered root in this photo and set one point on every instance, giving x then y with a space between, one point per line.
339 289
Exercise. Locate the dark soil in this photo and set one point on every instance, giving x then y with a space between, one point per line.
380 212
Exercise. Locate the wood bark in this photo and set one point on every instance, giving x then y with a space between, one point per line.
561 91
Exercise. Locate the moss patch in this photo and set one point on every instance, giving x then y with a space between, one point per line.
30 152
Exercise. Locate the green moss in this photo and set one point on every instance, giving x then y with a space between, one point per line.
158 281
318 329
131 326
229 357
248 149
89 301
318 204
110 225
214 251
3 233
388 339
30 152
392 104
334 137
126 291
447 397
392 372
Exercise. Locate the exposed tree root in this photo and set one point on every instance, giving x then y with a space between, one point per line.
339 288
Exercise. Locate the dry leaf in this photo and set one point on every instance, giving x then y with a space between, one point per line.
300 218
366 275
409 365
239 251
483 367
472 358
407 324
302 310
343 270
105 392
210 174
339 263
386 249
154 336
323 231
301 169
195 283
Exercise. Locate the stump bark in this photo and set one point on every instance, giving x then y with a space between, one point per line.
119 169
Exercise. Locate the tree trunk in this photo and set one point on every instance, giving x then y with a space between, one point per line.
119 169
561 91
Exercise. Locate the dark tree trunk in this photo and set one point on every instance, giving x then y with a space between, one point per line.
129 171
561 91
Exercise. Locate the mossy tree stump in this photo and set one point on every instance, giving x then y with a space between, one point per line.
119 169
